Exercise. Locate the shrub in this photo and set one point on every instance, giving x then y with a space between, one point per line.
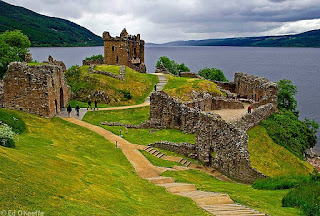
7 136
279 182
286 92
13 120
126 94
95 57
171 65
288 131
213 74
305 196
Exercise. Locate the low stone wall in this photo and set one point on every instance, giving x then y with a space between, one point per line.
121 76
141 68
264 101
191 75
186 149
144 125
162 69
218 143
93 62
230 86
250 120
226 103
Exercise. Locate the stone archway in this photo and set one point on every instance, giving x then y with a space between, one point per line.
61 98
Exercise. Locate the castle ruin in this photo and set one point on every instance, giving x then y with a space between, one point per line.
125 50
38 89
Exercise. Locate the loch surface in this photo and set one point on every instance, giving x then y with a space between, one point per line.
301 65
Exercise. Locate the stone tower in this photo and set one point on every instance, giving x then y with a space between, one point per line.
125 50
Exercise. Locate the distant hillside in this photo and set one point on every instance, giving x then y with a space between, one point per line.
43 30
306 39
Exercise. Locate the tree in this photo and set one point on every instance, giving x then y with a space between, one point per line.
286 92
213 74
171 65
13 47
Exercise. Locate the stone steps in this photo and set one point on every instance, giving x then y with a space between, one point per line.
178 187
207 198
231 209
161 180
154 152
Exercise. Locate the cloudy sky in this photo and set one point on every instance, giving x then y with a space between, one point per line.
167 20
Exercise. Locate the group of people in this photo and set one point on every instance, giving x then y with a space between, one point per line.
77 109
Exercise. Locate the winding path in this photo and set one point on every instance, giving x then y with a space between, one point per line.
214 203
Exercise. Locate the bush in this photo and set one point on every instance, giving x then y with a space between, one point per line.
213 74
7 136
279 182
126 94
286 92
95 57
13 120
13 47
171 65
288 131
305 196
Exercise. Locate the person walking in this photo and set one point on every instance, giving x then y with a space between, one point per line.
69 109
89 104
249 109
78 110
95 105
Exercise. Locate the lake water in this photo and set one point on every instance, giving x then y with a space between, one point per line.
301 65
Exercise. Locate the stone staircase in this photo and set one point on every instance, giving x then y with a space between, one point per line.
213 203
159 154
162 82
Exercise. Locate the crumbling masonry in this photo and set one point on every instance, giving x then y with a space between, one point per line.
39 89
219 144
125 50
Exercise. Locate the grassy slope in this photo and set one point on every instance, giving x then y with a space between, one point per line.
264 200
271 158
64 169
182 87
138 84
137 136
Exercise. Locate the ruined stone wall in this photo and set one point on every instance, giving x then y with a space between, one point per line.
191 75
121 76
41 89
186 149
218 143
93 62
230 86
1 94
250 120
125 50
252 87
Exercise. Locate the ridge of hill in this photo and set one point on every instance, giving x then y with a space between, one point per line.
305 39
44 30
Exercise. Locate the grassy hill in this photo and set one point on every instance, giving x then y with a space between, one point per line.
82 84
306 39
63 169
182 87
43 30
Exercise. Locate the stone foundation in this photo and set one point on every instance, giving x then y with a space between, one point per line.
121 76
93 62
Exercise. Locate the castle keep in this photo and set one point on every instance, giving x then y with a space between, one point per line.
39 89
125 50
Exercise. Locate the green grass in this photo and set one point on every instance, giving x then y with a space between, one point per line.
280 182
267 201
64 169
136 136
12 119
127 116
83 84
108 68
182 87
36 63
160 162
271 158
